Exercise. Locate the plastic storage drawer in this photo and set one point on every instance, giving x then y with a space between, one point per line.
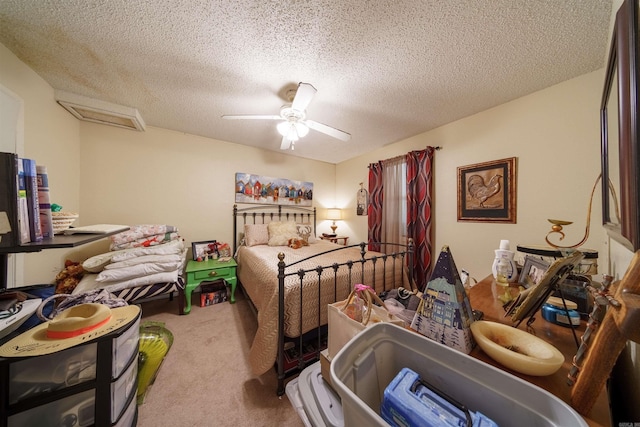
34 376
77 410
124 347
364 367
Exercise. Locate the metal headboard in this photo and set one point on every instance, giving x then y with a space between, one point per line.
264 214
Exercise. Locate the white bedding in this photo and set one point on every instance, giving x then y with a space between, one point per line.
130 268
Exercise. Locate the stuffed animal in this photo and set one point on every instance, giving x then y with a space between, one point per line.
297 243
68 279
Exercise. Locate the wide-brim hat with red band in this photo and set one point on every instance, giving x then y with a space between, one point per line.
76 325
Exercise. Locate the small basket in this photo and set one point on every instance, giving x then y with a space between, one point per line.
62 220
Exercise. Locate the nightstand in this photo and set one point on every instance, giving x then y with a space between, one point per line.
336 239
207 271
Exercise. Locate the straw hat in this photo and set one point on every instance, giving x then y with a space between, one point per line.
76 325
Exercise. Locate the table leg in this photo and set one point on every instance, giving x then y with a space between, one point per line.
232 282
188 290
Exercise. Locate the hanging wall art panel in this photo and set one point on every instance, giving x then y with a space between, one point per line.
276 191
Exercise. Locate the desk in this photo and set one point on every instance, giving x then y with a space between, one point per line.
482 297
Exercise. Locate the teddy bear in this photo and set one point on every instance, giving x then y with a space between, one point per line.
69 277
297 243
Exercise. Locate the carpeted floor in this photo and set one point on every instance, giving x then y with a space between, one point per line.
205 379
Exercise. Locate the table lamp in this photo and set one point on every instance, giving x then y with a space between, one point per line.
334 214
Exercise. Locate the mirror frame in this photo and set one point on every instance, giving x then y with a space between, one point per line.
623 57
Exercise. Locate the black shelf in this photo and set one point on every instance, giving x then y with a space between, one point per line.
60 241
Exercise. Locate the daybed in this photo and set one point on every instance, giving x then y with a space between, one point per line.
291 288
143 263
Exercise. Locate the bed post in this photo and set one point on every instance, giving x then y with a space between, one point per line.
281 267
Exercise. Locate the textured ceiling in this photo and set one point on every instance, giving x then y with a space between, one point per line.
385 70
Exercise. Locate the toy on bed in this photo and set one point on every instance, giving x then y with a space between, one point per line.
143 262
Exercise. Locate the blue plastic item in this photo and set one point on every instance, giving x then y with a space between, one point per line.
558 315
409 401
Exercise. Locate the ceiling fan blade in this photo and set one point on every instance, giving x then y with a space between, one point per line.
336 133
252 117
303 97
286 143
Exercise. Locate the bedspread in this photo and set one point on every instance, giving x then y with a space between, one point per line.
258 273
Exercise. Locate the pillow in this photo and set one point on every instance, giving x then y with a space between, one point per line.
304 232
96 264
281 232
256 234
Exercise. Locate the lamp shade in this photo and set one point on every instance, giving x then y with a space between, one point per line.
334 214
292 130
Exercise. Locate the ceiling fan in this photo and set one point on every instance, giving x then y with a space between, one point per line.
293 118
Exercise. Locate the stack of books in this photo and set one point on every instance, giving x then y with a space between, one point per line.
25 209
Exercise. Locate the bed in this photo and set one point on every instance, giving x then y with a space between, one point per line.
144 263
291 288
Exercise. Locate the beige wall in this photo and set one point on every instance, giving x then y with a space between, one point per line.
51 136
553 133
165 177
112 175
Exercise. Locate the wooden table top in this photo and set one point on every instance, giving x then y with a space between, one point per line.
483 297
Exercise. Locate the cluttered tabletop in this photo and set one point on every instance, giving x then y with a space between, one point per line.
484 297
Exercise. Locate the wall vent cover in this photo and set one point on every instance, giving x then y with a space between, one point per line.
97 111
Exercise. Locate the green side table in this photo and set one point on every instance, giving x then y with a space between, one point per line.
207 271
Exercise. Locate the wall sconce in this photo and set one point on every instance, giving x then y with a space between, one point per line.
334 214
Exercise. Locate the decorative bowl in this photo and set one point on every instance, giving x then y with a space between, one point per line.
516 349
62 220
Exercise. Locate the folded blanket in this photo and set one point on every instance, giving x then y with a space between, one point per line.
126 273
145 259
153 240
172 247
137 235
99 262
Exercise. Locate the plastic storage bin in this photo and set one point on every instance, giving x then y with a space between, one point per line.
368 363
319 404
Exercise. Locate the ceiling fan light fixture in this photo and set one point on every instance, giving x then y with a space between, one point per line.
292 130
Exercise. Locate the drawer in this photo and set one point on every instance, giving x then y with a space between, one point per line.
33 376
218 272
77 410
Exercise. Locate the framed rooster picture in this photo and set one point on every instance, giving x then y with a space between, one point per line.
487 191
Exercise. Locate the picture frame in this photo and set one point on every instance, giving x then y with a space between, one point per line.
530 300
619 130
204 248
487 191
532 272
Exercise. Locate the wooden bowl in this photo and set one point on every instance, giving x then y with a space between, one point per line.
516 349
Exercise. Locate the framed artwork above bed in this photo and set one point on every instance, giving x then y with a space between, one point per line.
272 191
